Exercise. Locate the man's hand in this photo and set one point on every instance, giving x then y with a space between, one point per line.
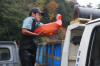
35 34
41 33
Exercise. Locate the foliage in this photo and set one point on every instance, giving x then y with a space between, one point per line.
66 11
10 21
51 7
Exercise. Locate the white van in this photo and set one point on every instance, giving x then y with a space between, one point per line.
82 44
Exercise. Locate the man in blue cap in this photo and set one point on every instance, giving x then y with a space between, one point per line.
28 42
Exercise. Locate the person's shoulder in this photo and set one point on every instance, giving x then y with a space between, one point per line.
28 19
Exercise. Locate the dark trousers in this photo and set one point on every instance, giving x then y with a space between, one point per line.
27 51
27 57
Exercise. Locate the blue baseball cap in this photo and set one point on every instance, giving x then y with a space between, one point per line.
36 10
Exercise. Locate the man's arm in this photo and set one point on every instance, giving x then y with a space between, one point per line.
28 33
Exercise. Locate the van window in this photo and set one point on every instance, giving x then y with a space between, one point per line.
76 35
93 56
4 54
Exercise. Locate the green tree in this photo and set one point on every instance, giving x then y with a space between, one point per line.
51 7
65 9
10 20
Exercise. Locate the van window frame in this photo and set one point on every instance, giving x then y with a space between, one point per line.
88 58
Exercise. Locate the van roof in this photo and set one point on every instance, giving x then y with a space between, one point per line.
93 21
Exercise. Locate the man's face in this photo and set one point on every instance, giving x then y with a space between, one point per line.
37 16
